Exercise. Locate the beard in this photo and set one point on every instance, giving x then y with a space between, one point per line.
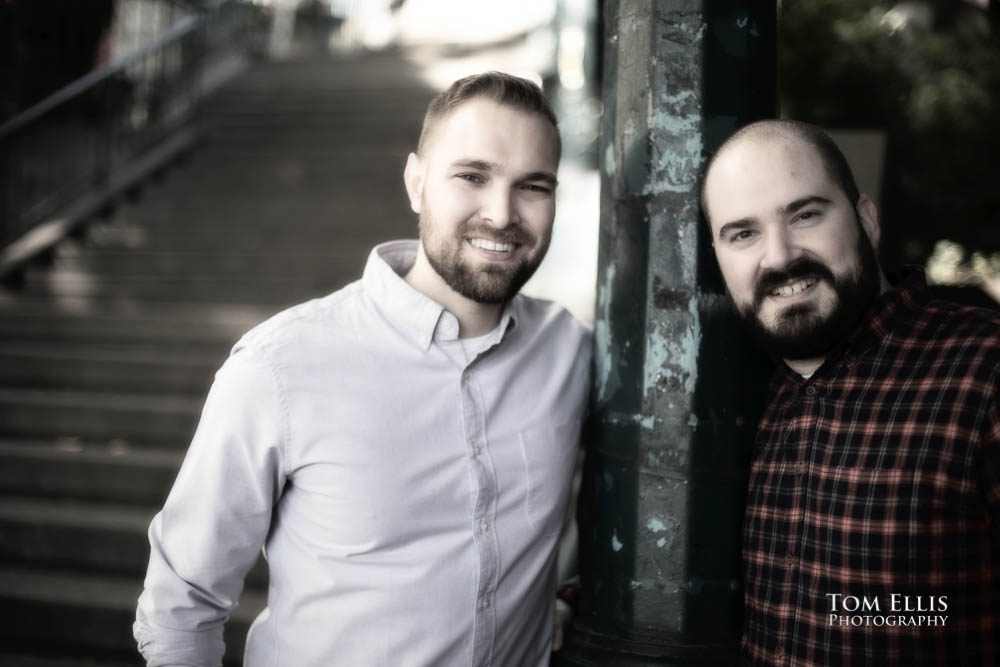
799 331
492 283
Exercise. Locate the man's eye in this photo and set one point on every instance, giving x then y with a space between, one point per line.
806 215
743 235
537 187
472 178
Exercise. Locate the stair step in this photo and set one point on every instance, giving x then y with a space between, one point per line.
318 225
92 612
191 288
116 262
70 468
74 534
80 535
316 217
203 328
81 367
136 419
315 106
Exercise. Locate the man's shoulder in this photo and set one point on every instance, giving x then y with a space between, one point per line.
299 324
545 317
948 320
963 338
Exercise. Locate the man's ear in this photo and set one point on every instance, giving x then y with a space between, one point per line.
868 215
413 178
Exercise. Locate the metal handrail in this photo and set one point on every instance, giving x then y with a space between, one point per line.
81 85
73 142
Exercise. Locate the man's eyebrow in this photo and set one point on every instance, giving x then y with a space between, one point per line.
801 203
736 225
481 165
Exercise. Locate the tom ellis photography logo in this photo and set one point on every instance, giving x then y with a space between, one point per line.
895 610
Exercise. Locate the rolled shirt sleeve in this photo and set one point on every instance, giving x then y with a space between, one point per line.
216 518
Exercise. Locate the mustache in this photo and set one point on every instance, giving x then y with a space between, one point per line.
513 234
801 268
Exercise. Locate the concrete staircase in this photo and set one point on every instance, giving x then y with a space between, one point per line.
107 351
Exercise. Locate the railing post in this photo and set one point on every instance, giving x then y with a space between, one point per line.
677 388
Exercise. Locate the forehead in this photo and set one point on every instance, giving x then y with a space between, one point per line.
759 175
483 129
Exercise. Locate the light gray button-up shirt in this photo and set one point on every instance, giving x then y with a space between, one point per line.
409 500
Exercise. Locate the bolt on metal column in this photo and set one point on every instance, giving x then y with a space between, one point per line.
677 385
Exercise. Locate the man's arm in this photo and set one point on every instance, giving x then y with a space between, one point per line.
216 518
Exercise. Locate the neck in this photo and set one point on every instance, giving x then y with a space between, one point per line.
807 367
474 318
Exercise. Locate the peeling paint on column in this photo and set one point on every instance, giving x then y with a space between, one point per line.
647 422
667 527
673 359
675 109
676 152
606 374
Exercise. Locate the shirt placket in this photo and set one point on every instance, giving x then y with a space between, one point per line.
483 533
797 473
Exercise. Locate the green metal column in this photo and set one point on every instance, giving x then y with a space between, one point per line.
677 386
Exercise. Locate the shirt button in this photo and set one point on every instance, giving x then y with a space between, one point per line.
483 526
801 468
810 390
789 560
779 652
485 604
476 449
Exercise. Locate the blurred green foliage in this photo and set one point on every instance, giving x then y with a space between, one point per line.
927 74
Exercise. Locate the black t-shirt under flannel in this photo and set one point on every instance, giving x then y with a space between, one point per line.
871 533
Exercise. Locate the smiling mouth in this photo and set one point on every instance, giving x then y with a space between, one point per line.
793 288
492 246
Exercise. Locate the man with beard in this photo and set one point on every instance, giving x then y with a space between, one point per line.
403 448
872 527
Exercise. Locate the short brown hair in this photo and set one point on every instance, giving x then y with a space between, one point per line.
502 88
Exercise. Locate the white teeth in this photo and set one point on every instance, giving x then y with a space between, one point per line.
490 245
794 288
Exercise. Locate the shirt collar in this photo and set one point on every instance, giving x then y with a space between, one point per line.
897 305
411 312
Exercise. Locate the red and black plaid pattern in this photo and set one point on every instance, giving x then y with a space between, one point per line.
878 478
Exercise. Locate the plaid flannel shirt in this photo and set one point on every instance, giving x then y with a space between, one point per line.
874 496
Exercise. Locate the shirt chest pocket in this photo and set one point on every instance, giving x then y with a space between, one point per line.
549 454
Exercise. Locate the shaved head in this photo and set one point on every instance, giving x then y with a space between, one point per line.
832 158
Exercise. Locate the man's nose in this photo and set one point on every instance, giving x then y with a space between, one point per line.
499 207
779 251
